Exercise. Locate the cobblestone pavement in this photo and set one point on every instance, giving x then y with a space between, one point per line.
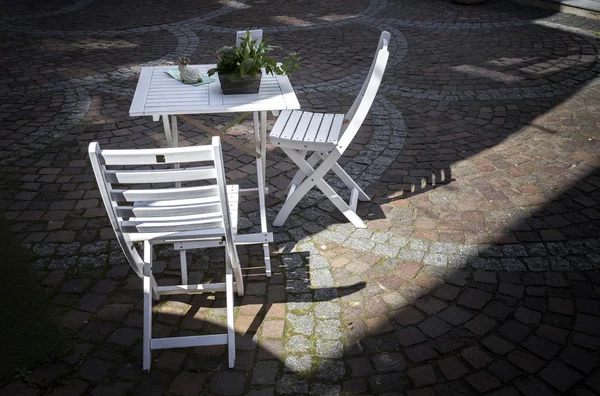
479 271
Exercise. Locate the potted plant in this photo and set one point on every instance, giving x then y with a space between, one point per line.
240 68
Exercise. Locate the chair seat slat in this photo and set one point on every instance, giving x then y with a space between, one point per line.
324 128
313 128
290 126
150 227
280 124
302 126
160 176
165 237
336 129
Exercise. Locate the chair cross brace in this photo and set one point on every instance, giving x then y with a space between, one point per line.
308 177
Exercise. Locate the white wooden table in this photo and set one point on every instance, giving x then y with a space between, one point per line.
160 96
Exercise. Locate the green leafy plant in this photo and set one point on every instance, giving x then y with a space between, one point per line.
247 60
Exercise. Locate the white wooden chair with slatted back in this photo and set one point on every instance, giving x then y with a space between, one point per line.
202 213
255 34
325 137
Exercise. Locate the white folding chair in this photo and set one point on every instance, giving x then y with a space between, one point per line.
325 137
200 211
255 34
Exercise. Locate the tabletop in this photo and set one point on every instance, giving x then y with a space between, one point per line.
157 93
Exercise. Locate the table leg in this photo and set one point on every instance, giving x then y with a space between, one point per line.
175 141
174 133
167 127
260 138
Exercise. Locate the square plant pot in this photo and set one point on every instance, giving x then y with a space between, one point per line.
241 86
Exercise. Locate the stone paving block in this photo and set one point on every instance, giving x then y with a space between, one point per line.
228 383
94 369
375 326
503 370
408 270
420 353
326 390
330 349
454 315
331 370
497 345
422 375
409 336
75 319
124 336
90 302
71 387
514 331
483 381
407 316
395 300
476 357
388 362
475 299
265 372
188 383
541 347
446 292
388 382
430 305
560 376
452 368
532 386
112 388
525 361
290 384
481 324
434 326
457 277
579 358
485 276
96 331
527 316
588 324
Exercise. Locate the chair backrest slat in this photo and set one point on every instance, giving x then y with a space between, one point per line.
360 108
255 34
160 176
161 211
158 156
163 194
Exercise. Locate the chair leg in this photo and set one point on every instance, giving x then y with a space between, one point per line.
183 261
237 271
147 343
346 179
300 176
315 178
230 316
